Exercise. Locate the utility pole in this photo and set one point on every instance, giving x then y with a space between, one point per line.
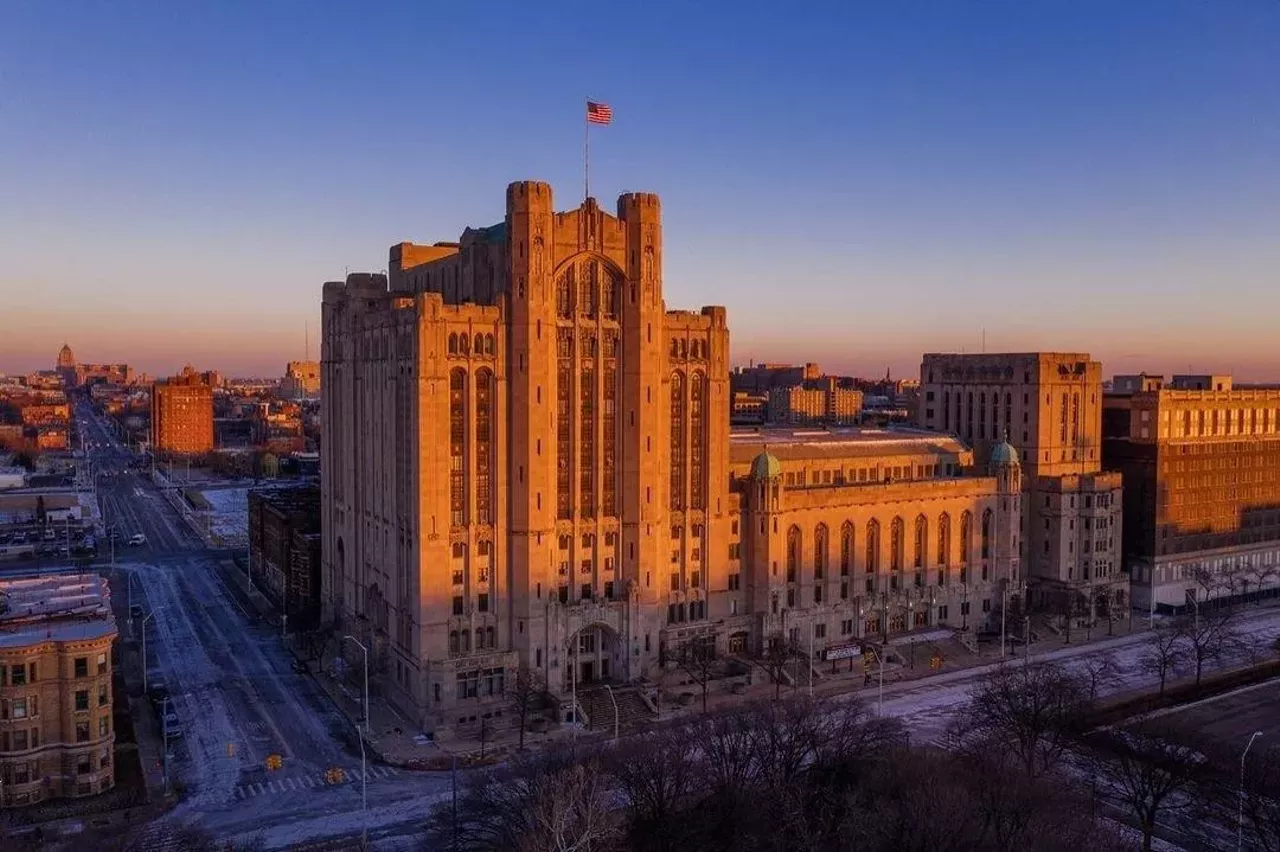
164 724
366 680
150 616
1004 608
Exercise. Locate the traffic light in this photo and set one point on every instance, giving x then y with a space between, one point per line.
334 776
274 762
935 662
231 749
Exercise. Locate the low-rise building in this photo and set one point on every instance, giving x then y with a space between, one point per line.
56 731
284 545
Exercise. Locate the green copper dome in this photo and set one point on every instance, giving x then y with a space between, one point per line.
766 466
1004 453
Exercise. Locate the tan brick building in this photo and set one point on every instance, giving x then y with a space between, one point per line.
1049 406
527 460
182 414
1201 465
56 733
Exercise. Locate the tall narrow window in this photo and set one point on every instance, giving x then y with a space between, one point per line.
982 415
484 446
564 424
966 538
846 549
587 439
564 294
587 289
458 447
608 470
820 552
677 442
1075 420
793 554
873 546
897 546
697 441
922 542
944 540
1062 422
986 534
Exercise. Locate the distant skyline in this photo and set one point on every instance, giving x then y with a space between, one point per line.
858 184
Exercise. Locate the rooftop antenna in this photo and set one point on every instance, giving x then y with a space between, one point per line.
984 341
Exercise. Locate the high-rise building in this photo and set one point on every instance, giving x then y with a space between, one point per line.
1049 406
57 734
182 414
527 462
1201 489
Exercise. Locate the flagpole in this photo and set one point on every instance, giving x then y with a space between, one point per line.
586 153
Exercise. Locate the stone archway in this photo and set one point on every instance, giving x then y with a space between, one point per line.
592 656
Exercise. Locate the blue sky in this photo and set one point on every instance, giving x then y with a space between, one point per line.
859 183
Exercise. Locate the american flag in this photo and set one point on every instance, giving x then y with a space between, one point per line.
599 113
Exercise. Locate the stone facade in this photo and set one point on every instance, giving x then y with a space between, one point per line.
1048 405
1202 495
527 461
56 730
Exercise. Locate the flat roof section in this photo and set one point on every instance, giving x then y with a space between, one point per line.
55 608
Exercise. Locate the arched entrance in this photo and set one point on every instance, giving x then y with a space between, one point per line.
591 656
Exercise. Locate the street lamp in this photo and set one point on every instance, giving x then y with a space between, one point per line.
608 689
880 697
1240 814
364 792
366 679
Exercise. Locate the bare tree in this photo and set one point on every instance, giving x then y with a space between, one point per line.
1151 769
1027 712
657 775
559 802
1208 637
1165 651
526 693
697 657
778 652
1099 671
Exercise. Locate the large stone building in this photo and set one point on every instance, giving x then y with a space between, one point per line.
75 375
182 414
56 733
1049 406
823 401
527 461
1201 491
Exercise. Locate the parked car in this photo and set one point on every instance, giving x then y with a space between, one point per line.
135 611
171 726
137 539
299 666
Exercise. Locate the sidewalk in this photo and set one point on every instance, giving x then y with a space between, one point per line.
849 677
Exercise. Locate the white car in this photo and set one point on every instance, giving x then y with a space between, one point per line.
137 539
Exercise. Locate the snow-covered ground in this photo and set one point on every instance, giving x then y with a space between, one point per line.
228 515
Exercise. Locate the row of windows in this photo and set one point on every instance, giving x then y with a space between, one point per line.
460 344
18 674
27 773
897 544
683 348
888 473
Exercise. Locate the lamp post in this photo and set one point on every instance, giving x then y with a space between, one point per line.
880 697
1004 608
150 616
1240 813
366 680
608 689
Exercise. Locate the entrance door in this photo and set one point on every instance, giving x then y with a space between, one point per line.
589 671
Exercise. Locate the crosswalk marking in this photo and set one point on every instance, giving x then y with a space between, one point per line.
297 783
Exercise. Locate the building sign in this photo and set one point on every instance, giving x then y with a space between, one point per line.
842 652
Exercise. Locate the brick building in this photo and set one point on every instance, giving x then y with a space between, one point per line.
284 547
56 730
182 414
1201 465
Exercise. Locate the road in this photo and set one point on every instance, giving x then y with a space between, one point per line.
232 684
